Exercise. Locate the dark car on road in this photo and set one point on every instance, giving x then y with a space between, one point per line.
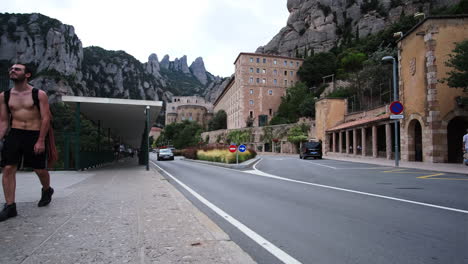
311 149
165 154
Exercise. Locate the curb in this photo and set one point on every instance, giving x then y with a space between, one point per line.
242 165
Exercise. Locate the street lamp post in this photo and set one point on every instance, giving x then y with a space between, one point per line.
395 98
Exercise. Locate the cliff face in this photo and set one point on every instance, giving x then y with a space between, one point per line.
319 25
64 67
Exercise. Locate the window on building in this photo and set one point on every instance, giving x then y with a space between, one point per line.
291 73
258 70
264 60
264 71
285 73
251 70
251 102
285 82
175 100
258 60
251 114
275 72
291 63
275 62
275 82
264 81
251 59
270 92
297 64
190 118
251 80
270 111
292 82
251 91
258 80
173 108
190 114
285 63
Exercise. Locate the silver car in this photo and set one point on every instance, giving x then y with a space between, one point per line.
165 154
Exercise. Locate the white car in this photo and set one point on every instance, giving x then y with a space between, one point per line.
165 154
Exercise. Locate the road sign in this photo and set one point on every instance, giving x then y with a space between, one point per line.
396 116
242 148
396 107
232 148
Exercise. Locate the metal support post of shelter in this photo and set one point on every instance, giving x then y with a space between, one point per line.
77 135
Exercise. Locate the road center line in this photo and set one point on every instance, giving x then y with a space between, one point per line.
274 250
263 174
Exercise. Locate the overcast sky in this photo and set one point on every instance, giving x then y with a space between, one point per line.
217 30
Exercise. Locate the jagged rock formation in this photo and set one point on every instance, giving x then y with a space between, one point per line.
319 25
64 67
198 70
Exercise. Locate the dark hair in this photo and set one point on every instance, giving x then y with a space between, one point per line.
28 68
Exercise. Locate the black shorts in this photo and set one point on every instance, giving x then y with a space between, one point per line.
19 146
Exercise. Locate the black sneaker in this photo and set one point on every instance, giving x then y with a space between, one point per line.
46 197
8 212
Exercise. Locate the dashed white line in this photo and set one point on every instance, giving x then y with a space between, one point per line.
274 250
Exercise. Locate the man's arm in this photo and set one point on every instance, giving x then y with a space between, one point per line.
3 116
45 122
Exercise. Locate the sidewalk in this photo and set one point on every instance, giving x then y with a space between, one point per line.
116 214
442 167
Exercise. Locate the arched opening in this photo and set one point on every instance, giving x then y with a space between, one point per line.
456 128
415 141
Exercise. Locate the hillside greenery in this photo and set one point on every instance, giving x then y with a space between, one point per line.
182 84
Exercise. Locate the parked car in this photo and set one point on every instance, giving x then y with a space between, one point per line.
165 154
311 149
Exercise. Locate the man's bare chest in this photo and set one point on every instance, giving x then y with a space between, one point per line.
21 102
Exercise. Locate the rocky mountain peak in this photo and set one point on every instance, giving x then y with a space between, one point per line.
153 66
198 70
165 62
319 25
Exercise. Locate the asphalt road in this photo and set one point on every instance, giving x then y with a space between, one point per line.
324 211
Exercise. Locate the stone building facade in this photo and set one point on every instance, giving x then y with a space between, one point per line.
434 122
192 108
434 119
255 92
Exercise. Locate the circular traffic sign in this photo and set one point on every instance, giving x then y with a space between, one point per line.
232 148
396 107
242 148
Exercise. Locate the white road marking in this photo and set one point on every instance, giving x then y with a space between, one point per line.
263 174
277 252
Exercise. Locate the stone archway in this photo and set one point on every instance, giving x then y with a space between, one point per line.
456 128
415 145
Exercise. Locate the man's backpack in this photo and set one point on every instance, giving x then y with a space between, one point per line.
52 155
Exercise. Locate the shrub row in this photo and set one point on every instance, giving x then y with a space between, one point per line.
217 154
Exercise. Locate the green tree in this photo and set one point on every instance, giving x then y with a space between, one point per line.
219 121
298 102
298 134
317 66
181 135
458 77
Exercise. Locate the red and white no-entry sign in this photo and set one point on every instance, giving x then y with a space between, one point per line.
232 148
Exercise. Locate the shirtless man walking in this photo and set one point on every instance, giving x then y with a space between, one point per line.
25 141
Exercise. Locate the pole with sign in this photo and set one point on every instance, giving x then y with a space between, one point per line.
397 106
232 149
242 148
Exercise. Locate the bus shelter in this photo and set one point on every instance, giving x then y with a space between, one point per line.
126 119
